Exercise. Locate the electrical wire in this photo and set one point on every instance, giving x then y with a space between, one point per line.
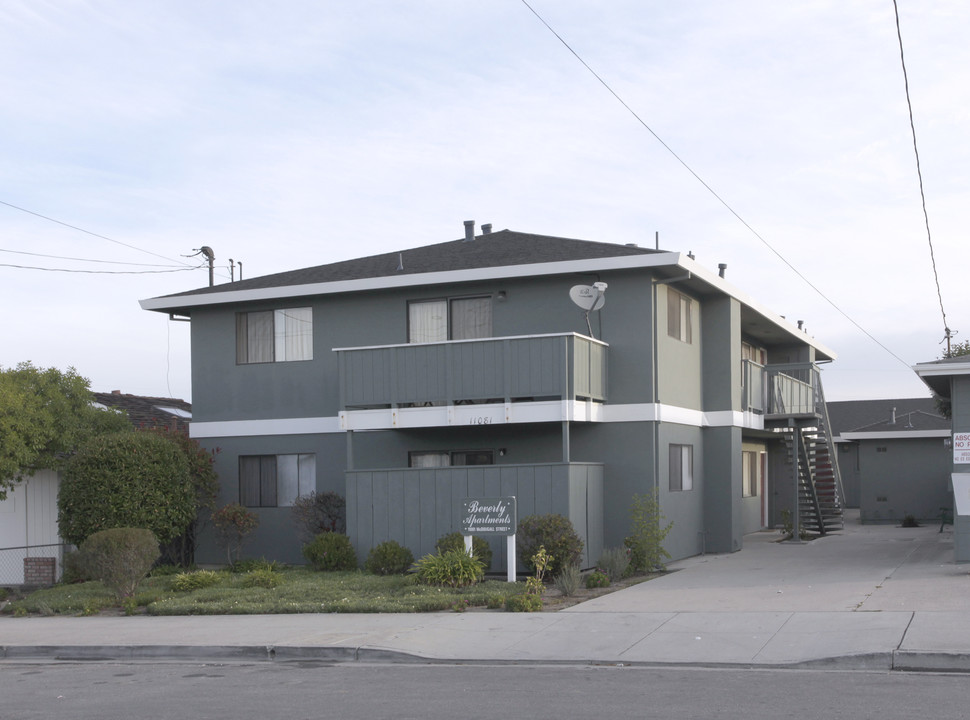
919 175
87 232
90 260
102 272
709 188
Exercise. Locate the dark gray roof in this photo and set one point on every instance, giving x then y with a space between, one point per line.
146 412
497 249
876 415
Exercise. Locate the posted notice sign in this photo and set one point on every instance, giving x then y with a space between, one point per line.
488 516
961 448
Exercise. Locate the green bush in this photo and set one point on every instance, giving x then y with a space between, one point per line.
120 558
263 578
454 568
614 562
167 570
597 579
74 570
647 552
554 532
523 603
330 551
126 479
389 558
251 564
568 580
187 581
456 541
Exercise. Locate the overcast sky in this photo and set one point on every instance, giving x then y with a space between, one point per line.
292 134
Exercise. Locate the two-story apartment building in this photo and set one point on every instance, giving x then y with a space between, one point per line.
410 380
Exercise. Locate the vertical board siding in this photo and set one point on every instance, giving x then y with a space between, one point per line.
416 506
521 367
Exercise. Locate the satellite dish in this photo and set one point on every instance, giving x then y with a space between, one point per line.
590 298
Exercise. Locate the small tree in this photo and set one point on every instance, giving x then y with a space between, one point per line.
956 350
646 539
233 523
319 512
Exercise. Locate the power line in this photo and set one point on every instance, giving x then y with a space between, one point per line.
87 232
63 257
100 272
919 175
709 188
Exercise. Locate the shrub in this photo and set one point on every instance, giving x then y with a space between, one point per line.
330 551
909 521
74 570
167 570
126 479
188 581
263 578
568 580
645 542
454 568
456 541
120 558
233 523
597 579
556 534
318 513
614 562
252 564
389 558
523 603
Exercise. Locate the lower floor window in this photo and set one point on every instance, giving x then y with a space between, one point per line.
681 468
750 473
276 480
444 459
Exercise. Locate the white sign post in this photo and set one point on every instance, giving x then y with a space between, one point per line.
491 516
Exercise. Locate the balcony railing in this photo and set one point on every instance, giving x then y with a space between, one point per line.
793 390
507 369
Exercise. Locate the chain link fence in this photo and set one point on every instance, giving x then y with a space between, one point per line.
13 565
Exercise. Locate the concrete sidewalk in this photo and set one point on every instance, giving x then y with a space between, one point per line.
869 597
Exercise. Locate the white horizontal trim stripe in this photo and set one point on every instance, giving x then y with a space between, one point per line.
896 435
465 415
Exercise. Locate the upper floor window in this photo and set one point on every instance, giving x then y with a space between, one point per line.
276 480
274 335
449 319
679 308
754 353
681 467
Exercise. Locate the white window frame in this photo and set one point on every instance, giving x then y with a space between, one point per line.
680 321
434 320
281 335
680 468
279 480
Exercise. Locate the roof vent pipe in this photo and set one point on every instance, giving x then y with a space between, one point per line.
469 230
800 323
486 228
721 267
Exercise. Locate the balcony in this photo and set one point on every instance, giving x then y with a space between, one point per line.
531 378
781 391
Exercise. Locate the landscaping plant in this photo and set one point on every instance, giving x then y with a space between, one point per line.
389 558
456 541
330 551
454 568
233 523
645 542
120 558
316 513
553 532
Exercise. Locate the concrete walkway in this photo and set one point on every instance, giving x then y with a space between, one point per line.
868 597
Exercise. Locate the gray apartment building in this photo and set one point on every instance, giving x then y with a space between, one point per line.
570 374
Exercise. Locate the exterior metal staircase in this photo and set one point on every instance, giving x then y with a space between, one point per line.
820 494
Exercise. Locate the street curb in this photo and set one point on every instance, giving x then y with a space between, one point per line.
899 660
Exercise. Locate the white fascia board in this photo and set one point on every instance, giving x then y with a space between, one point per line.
942 369
896 435
674 260
181 302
